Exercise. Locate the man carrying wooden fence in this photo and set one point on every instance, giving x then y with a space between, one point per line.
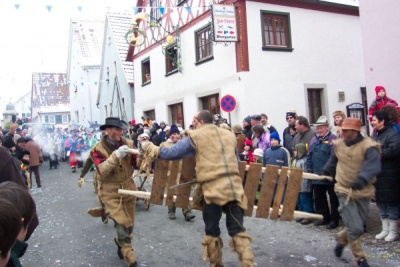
217 173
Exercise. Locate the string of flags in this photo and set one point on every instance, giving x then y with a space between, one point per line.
161 9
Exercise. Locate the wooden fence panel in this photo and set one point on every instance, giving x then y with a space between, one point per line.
159 181
279 193
172 180
267 191
187 175
251 186
292 193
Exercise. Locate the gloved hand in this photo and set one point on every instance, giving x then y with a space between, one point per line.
359 183
121 151
81 182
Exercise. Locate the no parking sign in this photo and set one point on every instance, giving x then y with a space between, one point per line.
228 103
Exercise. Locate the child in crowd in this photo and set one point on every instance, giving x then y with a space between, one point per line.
304 200
247 154
25 157
10 226
381 100
275 155
258 155
25 205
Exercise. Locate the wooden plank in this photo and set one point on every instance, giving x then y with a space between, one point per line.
159 181
242 169
267 191
173 172
139 194
279 193
187 175
251 186
292 193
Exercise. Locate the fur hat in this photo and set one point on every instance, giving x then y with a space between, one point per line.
378 88
237 128
258 152
113 122
301 150
322 120
174 129
351 124
248 142
338 113
275 136
247 119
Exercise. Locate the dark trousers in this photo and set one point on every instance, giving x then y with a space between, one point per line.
321 202
35 170
212 214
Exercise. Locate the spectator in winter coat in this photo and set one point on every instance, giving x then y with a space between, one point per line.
247 131
394 117
240 137
338 118
320 150
304 200
275 155
262 136
387 186
380 100
247 154
36 159
268 128
304 132
291 117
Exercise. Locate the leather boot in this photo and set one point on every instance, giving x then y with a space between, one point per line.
393 235
356 249
385 230
212 250
171 212
96 212
240 243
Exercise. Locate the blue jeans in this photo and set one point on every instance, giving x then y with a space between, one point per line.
388 212
305 202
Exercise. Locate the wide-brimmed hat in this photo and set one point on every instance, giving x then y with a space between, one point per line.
113 122
237 128
351 124
322 120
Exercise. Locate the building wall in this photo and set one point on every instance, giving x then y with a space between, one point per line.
327 54
381 41
110 68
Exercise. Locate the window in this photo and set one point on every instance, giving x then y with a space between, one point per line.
150 114
65 119
211 103
177 114
155 14
204 43
314 104
49 119
146 75
171 58
276 31
58 119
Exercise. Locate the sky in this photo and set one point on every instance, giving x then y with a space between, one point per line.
34 36
34 39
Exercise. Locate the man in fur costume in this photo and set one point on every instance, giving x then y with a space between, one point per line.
114 164
217 173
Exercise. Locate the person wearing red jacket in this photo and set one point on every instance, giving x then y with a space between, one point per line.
380 100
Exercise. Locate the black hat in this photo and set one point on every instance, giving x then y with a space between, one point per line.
256 117
113 122
21 139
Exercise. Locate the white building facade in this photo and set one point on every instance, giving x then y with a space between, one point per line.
318 59
84 59
115 92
